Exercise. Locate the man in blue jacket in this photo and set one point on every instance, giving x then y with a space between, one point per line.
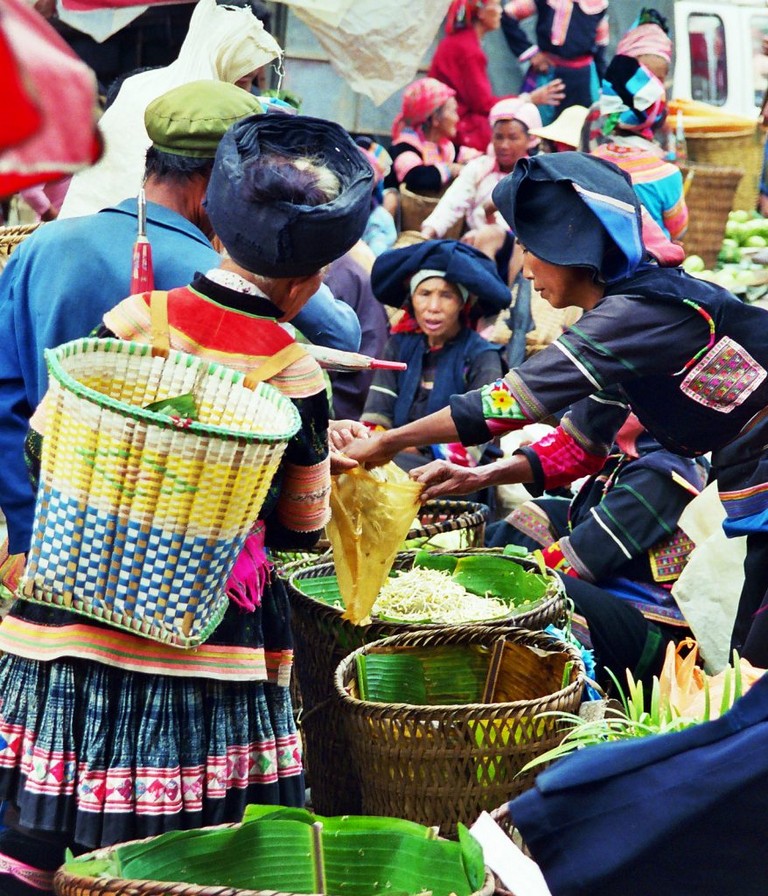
59 283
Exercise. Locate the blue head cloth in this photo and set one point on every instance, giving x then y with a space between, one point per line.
575 210
280 238
392 272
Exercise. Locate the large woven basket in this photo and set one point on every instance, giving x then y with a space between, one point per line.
710 197
742 149
415 208
140 516
445 764
67 883
322 640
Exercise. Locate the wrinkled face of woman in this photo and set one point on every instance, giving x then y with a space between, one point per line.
510 143
437 306
446 118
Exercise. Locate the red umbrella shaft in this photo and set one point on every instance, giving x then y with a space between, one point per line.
142 274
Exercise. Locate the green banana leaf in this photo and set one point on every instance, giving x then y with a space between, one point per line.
436 676
496 574
472 857
228 857
294 851
175 406
322 588
428 560
500 576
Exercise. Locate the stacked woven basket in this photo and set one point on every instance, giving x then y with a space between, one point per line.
324 640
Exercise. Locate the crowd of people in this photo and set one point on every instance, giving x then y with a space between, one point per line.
270 230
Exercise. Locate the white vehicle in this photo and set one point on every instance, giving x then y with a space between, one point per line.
719 55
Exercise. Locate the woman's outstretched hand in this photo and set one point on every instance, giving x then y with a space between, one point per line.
370 451
441 478
342 433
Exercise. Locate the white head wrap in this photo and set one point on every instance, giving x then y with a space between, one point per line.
223 43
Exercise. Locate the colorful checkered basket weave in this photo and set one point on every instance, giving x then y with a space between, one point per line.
140 516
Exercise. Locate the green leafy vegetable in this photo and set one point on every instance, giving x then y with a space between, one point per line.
183 406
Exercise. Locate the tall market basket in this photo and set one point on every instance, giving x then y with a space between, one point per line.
322 639
741 148
415 208
444 763
710 198
140 515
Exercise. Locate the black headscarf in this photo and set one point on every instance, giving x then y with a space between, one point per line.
462 264
281 239
575 210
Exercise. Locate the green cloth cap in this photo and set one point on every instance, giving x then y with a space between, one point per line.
190 120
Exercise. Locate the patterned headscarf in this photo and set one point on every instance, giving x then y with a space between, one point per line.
648 36
461 14
420 100
515 109
632 97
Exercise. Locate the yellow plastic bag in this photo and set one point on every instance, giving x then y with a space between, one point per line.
371 513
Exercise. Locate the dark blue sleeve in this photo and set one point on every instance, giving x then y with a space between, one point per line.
516 38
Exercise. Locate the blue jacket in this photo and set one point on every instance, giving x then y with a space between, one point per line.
57 286
669 814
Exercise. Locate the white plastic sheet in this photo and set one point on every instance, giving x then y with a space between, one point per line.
708 590
376 47
221 44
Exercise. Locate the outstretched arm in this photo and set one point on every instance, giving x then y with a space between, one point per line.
441 478
383 446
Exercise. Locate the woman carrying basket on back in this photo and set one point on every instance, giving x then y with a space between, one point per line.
107 736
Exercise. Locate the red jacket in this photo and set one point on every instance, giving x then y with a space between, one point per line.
461 63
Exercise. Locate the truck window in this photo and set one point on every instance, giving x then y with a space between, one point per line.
706 39
758 27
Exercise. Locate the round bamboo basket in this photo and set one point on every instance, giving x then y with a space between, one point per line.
709 198
415 208
444 764
65 884
322 639
742 149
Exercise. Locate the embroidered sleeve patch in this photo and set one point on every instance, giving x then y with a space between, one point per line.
500 404
724 378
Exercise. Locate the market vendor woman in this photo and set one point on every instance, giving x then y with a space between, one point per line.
443 286
685 355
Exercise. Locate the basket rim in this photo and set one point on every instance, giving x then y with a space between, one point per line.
481 634
545 602
118 884
104 884
122 347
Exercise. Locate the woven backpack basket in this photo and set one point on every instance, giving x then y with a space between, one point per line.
140 516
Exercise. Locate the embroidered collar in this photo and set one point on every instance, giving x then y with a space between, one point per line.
231 280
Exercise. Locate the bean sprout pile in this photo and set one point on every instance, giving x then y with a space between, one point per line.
431 595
